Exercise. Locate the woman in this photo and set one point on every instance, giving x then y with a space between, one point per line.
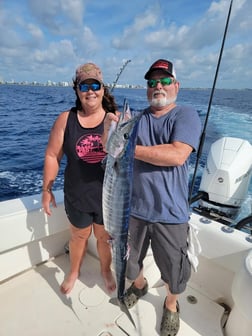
76 133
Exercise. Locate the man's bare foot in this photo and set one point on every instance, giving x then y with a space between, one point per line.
109 281
68 283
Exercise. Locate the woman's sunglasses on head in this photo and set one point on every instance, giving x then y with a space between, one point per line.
84 87
163 81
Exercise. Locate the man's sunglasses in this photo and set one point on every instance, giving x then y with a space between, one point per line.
83 87
164 81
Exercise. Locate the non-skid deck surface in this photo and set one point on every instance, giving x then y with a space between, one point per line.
32 305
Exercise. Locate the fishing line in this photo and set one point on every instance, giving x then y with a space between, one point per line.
203 135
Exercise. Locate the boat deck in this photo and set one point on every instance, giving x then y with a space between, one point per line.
32 305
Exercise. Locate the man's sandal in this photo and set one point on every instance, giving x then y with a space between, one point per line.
170 322
133 294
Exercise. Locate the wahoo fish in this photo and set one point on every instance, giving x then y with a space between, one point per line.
117 188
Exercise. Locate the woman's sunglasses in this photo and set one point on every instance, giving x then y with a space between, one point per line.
84 87
164 81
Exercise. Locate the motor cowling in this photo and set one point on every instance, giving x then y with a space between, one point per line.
226 176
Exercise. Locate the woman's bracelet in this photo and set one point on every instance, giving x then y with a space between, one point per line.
47 190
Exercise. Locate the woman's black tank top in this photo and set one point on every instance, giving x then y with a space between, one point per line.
83 173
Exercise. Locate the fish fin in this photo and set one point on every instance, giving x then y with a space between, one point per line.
126 113
124 308
103 162
114 301
126 109
112 128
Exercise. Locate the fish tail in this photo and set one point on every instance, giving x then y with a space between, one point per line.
124 308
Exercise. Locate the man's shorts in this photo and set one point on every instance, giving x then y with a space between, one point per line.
81 219
169 248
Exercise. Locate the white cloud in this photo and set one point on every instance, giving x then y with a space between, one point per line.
86 44
58 15
56 53
131 33
74 10
53 37
35 31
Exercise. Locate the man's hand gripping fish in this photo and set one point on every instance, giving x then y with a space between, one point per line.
117 187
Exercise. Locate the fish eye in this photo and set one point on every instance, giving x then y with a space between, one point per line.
126 136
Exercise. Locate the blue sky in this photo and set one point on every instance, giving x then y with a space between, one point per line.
47 39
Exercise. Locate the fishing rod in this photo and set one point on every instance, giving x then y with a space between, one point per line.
119 74
203 135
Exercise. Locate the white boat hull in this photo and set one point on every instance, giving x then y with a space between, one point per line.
33 264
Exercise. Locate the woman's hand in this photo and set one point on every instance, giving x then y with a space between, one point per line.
47 199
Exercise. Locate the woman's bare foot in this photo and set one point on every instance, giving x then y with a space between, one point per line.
68 283
109 281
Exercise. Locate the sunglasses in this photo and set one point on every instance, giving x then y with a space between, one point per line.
164 81
83 87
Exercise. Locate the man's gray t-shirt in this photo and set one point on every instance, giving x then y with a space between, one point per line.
160 194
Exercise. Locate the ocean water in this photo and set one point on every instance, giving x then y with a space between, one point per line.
28 112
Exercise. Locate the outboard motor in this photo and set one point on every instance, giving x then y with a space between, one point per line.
225 180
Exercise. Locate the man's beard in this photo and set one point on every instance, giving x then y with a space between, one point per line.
161 101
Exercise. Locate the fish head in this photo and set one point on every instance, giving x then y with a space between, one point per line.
122 136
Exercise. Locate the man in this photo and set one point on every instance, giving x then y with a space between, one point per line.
167 135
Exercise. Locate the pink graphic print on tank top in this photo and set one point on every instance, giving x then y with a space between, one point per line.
89 148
